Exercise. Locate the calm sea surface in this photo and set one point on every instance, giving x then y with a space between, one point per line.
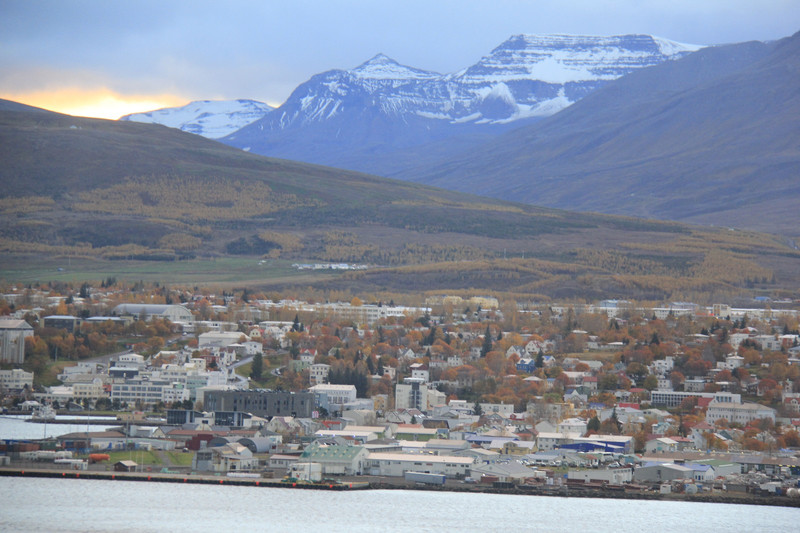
17 427
93 505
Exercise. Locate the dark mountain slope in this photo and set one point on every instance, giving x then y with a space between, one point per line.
713 137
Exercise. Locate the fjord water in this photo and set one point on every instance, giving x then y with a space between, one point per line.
71 505
17 427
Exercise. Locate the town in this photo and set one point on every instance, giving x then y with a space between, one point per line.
461 391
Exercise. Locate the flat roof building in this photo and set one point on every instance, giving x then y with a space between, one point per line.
261 403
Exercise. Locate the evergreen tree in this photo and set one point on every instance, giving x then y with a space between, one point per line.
540 359
431 338
476 409
594 424
615 420
257 367
487 342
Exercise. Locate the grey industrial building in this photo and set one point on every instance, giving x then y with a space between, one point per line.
263 403
12 340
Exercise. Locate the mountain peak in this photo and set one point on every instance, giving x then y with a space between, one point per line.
594 42
378 59
211 118
382 66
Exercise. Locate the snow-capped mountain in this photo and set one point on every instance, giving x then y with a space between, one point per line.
210 118
538 75
527 75
377 116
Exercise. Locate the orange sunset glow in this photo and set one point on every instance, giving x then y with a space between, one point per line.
96 103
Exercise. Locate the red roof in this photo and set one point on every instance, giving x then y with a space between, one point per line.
703 402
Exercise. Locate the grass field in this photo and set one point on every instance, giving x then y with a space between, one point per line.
180 458
149 458
50 376
268 379
142 457
27 269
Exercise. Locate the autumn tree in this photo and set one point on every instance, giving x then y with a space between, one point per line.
650 383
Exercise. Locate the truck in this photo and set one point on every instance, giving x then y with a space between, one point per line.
426 478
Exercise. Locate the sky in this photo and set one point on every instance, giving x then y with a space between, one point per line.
107 58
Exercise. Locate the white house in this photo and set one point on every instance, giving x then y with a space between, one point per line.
731 408
15 379
318 373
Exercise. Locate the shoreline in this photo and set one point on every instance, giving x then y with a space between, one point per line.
348 484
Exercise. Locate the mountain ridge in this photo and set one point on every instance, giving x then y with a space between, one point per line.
382 116
684 140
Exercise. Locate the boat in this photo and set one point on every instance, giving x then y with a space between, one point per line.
44 413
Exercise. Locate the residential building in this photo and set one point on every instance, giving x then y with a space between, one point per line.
65 322
140 389
92 390
230 457
414 393
731 408
15 380
332 397
503 409
318 373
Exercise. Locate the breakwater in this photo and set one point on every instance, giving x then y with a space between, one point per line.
178 478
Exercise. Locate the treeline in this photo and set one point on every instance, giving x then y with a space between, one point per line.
619 263
188 199
348 375
25 204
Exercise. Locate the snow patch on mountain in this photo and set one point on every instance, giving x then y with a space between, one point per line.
213 119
